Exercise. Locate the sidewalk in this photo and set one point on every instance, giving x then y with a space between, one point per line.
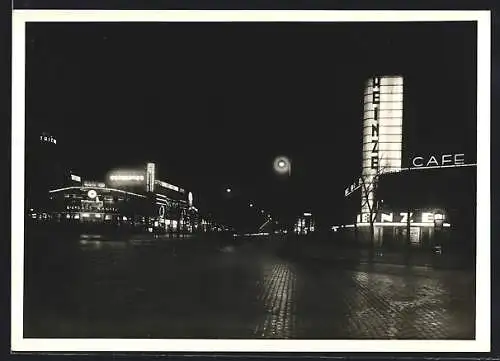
416 258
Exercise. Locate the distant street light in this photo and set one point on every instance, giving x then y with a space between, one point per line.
282 165
228 190
251 205
262 211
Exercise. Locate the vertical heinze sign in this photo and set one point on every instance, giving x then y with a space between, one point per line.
150 177
382 132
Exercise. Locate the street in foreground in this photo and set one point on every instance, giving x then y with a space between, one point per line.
141 287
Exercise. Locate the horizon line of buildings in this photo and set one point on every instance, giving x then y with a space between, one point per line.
131 199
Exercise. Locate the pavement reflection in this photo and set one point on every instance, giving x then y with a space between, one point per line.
146 287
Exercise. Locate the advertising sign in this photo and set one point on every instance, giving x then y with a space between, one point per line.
442 160
125 177
382 131
150 177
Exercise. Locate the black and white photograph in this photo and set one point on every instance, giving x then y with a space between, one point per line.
250 179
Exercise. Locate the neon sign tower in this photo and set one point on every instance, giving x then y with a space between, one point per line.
382 133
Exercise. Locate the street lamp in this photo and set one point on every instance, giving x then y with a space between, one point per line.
228 190
282 165
251 205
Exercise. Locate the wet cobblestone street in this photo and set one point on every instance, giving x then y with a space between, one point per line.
184 288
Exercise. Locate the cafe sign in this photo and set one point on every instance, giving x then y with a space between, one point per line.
443 160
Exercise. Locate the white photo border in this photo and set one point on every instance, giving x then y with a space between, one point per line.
482 342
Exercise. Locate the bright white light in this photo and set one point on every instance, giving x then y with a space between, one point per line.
307 214
126 177
382 129
124 218
168 186
251 204
98 215
150 173
92 194
282 165
438 217
228 190
85 215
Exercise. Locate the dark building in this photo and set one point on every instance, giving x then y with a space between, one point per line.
44 169
447 191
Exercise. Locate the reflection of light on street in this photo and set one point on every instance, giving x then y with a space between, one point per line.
278 296
395 307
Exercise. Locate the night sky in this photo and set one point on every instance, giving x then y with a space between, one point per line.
213 104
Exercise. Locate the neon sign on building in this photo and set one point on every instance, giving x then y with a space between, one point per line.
150 177
382 133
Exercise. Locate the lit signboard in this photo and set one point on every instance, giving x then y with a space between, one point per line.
352 187
167 185
382 131
404 217
48 138
76 178
123 177
150 177
94 184
126 177
190 199
443 160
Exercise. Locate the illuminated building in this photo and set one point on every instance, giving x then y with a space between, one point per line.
417 201
131 199
304 224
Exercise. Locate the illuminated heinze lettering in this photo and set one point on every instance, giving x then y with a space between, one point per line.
404 217
382 133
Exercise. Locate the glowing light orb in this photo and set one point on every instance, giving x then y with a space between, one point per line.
282 165
92 194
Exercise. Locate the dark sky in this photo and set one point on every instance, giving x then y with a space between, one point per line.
213 103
